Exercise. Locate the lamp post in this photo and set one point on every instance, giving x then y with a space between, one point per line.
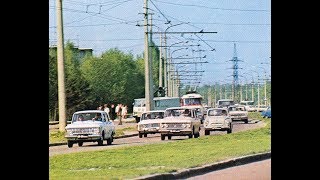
165 55
169 79
258 88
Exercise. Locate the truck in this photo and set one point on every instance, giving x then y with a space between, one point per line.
160 103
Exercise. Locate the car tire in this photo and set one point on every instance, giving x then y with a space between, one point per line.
140 135
169 137
110 140
163 137
145 135
246 121
206 132
100 141
70 144
80 144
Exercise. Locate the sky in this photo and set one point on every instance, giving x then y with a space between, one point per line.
241 25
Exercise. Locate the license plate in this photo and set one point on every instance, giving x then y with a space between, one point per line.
82 136
175 131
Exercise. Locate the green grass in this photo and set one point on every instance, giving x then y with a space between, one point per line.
169 156
120 132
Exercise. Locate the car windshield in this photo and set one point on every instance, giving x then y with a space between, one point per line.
152 115
177 112
217 112
87 116
236 109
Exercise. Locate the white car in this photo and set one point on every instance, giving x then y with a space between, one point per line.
90 126
238 113
180 121
217 119
150 122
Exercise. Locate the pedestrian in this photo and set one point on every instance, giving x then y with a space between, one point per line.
124 111
106 109
112 112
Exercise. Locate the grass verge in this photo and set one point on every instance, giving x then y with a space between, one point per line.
170 156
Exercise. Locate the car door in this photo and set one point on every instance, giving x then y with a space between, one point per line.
106 125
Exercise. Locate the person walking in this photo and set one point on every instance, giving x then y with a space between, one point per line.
112 112
106 109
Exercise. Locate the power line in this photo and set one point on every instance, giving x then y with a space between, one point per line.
225 9
168 22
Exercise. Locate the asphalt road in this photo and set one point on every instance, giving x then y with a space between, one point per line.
260 170
136 141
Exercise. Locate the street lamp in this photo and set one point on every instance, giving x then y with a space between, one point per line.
165 53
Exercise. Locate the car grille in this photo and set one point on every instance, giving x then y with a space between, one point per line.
237 114
155 125
83 131
175 125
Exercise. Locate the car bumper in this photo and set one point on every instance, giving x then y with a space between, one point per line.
217 127
83 137
176 132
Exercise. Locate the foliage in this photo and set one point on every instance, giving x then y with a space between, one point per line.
114 77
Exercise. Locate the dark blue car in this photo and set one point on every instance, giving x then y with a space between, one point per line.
266 113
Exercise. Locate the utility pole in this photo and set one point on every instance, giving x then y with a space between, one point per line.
209 97
215 96
240 93
147 62
160 63
60 59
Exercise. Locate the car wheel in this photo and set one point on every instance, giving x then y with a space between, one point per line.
163 137
80 144
100 141
145 135
70 144
110 140
140 135
169 137
246 121
206 132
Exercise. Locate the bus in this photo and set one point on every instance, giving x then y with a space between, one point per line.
160 103
194 100
191 100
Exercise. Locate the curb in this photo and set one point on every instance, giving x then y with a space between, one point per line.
185 173
118 137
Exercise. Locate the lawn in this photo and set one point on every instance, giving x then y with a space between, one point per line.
131 162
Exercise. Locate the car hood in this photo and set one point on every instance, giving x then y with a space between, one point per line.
177 120
215 119
84 124
149 121
237 112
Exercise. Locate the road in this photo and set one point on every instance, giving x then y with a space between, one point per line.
260 170
136 141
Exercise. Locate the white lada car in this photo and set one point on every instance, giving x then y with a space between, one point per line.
90 126
238 113
217 119
150 122
180 121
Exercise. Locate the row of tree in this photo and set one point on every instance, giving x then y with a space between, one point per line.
114 77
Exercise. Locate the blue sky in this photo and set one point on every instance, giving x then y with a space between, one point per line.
105 24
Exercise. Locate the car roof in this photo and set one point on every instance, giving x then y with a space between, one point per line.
90 111
154 111
186 107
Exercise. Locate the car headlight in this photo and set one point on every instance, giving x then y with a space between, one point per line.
96 130
164 125
206 123
185 125
69 132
